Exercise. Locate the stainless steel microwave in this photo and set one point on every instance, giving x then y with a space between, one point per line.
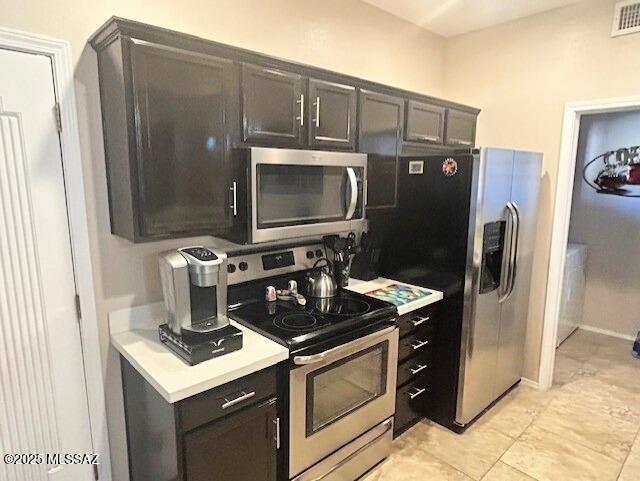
283 194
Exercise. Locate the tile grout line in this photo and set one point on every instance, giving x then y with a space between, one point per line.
518 439
635 440
468 475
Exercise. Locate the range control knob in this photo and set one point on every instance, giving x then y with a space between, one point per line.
231 268
318 253
309 254
243 266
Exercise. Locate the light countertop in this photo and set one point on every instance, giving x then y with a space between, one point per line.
364 287
134 333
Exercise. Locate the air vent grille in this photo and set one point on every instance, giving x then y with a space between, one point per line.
626 18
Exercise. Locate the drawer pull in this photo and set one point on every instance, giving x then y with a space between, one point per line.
277 436
418 368
419 392
243 397
419 345
419 320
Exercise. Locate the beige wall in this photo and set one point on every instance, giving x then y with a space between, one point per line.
610 227
521 74
342 35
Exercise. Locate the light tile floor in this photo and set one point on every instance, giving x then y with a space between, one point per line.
584 429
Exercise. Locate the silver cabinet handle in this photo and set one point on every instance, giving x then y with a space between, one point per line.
347 348
243 397
430 138
419 345
301 102
419 392
234 201
317 119
460 142
419 320
418 368
353 201
276 421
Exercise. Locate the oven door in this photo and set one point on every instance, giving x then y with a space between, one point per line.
340 394
298 193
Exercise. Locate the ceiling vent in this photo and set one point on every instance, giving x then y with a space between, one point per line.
626 18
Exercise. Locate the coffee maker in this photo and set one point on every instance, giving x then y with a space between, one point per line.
194 284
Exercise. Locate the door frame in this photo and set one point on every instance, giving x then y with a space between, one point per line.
573 113
59 51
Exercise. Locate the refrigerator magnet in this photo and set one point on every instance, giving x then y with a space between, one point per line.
449 167
416 167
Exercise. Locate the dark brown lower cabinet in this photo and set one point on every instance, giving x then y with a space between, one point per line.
237 448
229 433
417 337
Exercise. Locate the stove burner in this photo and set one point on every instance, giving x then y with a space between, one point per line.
339 306
297 321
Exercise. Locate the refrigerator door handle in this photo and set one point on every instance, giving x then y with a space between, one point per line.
512 242
516 248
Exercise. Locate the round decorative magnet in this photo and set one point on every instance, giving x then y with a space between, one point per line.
449 167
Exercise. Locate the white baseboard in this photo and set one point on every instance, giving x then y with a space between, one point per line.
606 332
529 383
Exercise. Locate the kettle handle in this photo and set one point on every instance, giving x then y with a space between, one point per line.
327 265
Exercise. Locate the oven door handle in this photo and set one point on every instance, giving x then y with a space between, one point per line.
353 201
314 358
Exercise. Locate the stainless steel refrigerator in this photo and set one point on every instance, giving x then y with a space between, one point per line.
466 225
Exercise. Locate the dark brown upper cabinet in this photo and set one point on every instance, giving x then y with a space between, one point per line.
168 155
273 107
174 106
332 115
425 123
461 128
381 118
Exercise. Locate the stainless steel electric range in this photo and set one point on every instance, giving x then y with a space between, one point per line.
338 387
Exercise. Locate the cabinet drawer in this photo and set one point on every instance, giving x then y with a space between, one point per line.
411 402
417 343
413 320
414 367
215 403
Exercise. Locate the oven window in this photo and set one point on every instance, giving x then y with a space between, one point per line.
300 194
345 386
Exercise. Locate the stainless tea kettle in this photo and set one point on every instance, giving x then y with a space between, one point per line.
320 282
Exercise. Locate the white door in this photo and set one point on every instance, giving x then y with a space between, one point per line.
43 398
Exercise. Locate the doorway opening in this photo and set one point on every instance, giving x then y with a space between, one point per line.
592 286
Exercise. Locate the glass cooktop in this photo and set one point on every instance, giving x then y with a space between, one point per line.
298 326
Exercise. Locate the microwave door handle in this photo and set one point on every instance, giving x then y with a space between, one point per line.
353 201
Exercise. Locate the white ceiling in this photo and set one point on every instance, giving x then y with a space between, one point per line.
454 17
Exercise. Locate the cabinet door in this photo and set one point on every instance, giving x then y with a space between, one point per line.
273 106
380 122
461 128
425 123
183 107
332 115
239 447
